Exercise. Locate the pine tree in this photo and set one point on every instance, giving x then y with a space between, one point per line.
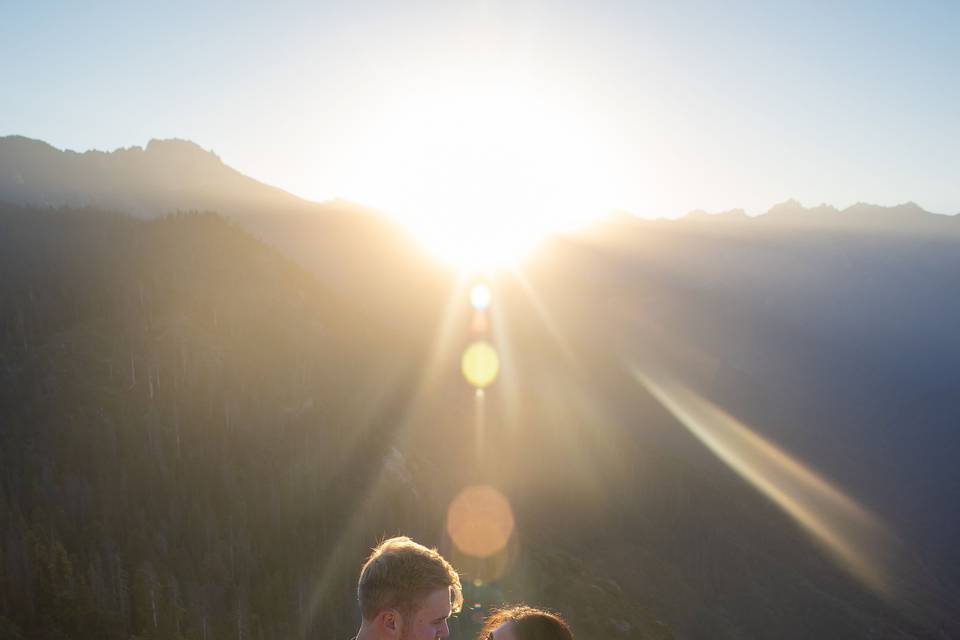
144 602
172 610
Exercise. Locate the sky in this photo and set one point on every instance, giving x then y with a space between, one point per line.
547 110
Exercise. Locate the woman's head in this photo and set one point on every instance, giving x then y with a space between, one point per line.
525 623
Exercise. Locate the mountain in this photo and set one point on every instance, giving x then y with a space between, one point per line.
177 175
164 177
908 217
829 335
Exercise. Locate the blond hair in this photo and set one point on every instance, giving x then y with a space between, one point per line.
400 573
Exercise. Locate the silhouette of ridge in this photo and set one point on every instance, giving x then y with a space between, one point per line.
908 216
163 177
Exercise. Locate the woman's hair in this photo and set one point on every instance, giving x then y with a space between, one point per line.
528 624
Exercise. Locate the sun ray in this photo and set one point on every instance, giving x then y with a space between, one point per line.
553 329
439 352
442 346
509 388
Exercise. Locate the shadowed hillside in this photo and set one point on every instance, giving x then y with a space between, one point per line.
837 343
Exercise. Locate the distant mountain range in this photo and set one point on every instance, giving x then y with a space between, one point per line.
908 215
171 175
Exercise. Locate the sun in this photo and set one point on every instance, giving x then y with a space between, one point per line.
478 243
481 173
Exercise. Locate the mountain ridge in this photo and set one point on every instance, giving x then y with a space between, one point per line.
859 214
165 176
176 175
183 188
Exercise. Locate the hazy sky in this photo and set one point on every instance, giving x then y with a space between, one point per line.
653 107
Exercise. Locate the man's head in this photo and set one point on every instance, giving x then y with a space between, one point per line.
408 591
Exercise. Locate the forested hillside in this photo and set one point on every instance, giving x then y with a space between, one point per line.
178 401
200 441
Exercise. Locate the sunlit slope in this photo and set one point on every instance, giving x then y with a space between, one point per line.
181 406
192 420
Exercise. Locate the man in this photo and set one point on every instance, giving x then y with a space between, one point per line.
407 592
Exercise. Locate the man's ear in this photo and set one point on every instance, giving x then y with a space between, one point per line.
391 622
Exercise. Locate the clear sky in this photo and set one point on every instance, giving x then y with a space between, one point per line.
545 108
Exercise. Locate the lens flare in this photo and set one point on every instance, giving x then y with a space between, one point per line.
487 571
854 537
480 364
479 325
480 521
480 296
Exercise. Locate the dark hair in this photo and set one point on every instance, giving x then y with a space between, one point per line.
528 624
